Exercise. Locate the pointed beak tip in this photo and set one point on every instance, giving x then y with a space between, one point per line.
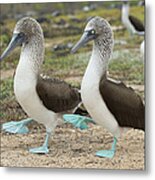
15 41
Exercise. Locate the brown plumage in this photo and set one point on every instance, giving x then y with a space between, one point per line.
123 103
137 24
57 95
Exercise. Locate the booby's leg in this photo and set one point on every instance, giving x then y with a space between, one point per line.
77 120
17 127
42 149
108 153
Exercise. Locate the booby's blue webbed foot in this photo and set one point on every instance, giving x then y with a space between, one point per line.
39 150
17 127
105 153
78 121
108 153
42 149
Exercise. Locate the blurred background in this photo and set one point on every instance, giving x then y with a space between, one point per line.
63 24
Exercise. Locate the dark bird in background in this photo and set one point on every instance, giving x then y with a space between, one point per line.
133 24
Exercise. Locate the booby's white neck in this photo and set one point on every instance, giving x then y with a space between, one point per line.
32 55
31 58
98 64
125 19
125 10
96 68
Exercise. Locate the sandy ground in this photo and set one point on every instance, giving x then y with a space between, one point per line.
73 148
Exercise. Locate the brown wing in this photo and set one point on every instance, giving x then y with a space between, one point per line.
137 23
124 104
57 95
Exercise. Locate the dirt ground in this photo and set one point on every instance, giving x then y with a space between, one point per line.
73 148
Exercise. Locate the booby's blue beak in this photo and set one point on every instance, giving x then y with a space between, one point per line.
85 38
17 40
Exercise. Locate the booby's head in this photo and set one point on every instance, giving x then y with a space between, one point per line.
98 30
125 2
25 29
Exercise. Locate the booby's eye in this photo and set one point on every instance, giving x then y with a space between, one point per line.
92 32
20 38
21 34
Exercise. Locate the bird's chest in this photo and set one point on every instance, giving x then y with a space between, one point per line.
90 84
95 105
26 95
25 86
90 90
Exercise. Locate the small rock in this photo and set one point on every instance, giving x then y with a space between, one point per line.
43 19
61 22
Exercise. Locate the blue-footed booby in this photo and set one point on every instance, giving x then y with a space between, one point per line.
110 103
133 25
43 99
